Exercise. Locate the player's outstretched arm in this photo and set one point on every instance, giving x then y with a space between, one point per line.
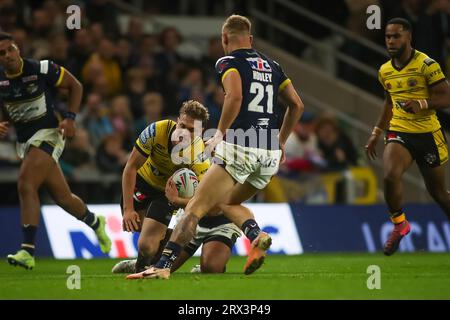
439 95
382 124
439 99
295 107
75 88
233 99
131 221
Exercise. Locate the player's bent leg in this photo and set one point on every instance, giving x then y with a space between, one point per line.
217 179
396 160
244 218
129 265
35 166
57 186
435 182
240 193
33 171
215 256
184 256
152 233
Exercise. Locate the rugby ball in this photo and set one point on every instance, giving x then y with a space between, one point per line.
186 182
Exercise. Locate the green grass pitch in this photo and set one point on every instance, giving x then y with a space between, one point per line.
308 276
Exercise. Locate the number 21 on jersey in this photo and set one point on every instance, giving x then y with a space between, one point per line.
260 92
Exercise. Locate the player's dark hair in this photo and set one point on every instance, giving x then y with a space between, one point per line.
401 21
195 110
5 36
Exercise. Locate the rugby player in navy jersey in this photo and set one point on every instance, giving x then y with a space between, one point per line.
244 164
27 94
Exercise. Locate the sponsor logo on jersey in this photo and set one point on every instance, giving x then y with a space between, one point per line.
435 73
429 61
412 82
29 78
259 64
32 88
223 63
16 92
148 133
394 137
430 158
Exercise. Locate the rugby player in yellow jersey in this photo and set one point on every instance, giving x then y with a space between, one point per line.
415 88
149 199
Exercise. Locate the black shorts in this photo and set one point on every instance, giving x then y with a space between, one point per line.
154 201
428 149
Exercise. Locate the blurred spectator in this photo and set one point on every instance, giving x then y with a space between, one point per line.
94 118
336 147
145 59
103 12
302 149
152 106
356 23
79 52
135 30
59 50
430 26
101 65
21 38
169 66
357 17
41 26
166 60
96 32
136 88
121 119
78 151
190 83
111 156
9 15
124 55
56 14
215 51
100 84
214 103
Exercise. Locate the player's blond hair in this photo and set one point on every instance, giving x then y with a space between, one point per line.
237 25
195 110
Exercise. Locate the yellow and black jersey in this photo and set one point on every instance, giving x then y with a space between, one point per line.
154 143
411 83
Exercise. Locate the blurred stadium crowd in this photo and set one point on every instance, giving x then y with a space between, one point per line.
429 18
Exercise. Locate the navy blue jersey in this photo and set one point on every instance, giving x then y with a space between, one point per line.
28 97
262 79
